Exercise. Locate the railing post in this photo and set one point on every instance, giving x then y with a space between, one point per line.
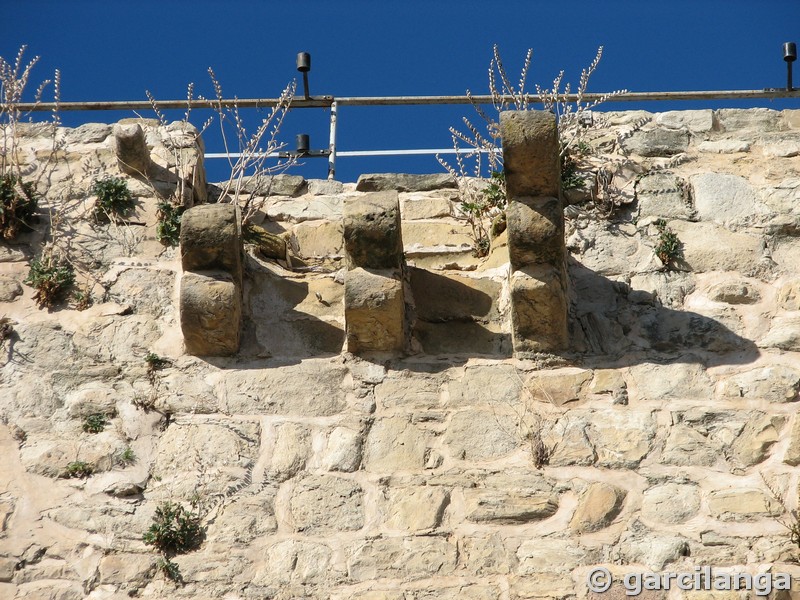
332 143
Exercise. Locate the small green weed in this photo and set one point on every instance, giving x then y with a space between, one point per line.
168 230
668 247
18 204
78 469
126 457
95 423
155 362
51 278
170 569
495 192
114 199
174 530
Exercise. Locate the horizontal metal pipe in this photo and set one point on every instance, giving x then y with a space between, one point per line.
326 101
368 152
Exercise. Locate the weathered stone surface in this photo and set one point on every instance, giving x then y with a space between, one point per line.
88 133
343 450
482 434
440 298
783 334
403 182
671 503
687 447
93 398
395 444
657 142
296 562
752 119
147 291
324 187
570 443
539 309
599 505
319 239
10 289
327 504
789 295
372 235
734 292
268 244
407 558
662 195
782 148
211 238
702 242
776 383
130 571
742 505
374 309
697 121
290 452
530 154
722 197
425 206
313 388
671 381
759 435
244 519
407 391
305 208
792 456
622 438
278 185
131 149
211 313
558 386
552 554
724 146
535 227
416 509
643 546
496 385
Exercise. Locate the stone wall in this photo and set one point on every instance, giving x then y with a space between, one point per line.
454 470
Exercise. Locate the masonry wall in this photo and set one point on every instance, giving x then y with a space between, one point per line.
455 470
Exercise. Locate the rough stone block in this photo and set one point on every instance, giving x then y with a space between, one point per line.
530 153
403 182
374 311
131 149
372 235
211 313
211 238
535 231
657 142
539 309
327 504
722 197
598 507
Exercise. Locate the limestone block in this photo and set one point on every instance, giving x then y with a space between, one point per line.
147 291
426 206
418 392
782 148
291 451
131 149
8 566
759 435
724 146
93 398
530 153
742 505
697 121
535 231
661 195
640 545
294 561
710 247
395 444
792 456
374 309
88 133
278 185
495 385
482 434
753 119
211 313
622 438
372 235
500 507
775 383
671 503
539 313
688 447
305 208
657 142
132 571
10 289
403 182
343 450
400 558
552 554
789 295
599 505
735 292
322 238
416 509
559 386
327 504
722 197
784 334
211 239
324 187
570 443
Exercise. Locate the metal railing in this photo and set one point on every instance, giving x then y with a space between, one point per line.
333 104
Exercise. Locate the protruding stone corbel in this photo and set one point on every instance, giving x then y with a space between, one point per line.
211 286
131 150
535 217
374 302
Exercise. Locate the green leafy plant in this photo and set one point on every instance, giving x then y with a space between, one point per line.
170 569
114 199
168 230
51 278
95 423
668 247
126 457
18 204
174 530
155 362
78 469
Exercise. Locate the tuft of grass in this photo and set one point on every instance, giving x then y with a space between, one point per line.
114 199
78 469
126 457
95 423
174 530
51 278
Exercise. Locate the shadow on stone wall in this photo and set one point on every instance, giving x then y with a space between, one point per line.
611 324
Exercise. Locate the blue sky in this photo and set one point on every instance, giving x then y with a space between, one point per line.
116 50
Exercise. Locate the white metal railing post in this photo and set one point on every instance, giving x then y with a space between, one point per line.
332 143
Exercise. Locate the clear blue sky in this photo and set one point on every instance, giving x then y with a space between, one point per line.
116 50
